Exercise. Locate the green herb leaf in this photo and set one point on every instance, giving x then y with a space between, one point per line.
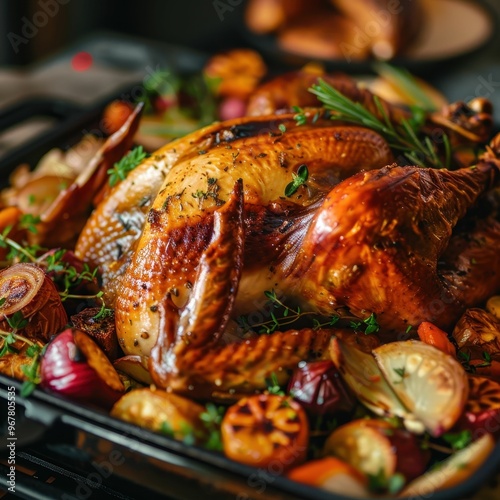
29 222
300 117
273 386
122 168
298 180
371 324
395 483
401 372
33 350
458 440
27 388
403 136
17 321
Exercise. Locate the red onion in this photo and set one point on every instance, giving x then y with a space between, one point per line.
83 376
319 389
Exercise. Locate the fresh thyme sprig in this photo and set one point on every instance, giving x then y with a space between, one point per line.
66 277
283 315
17 252
403 137
31 370
122 168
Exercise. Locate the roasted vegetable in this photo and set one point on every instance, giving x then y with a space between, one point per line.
374 447
482 410
432 335
161 412
478 332
431 384
331 474
135 367
100 326
28 296
320 390
74 366
260 430
452 471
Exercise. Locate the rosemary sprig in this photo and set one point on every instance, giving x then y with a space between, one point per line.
403 137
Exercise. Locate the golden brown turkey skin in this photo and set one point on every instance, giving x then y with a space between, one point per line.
179 225
223 371
108 240
375 243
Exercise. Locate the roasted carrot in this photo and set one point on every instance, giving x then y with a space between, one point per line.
432 335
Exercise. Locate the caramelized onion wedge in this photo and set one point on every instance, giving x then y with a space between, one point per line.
431 384
361 373
454 470
98 361
26 289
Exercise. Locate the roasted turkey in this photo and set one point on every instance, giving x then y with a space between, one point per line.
196 234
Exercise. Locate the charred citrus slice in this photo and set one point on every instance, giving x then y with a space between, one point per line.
482 410
98 361
431 384
452 471
264 429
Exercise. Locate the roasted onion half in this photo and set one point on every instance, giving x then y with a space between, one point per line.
30 297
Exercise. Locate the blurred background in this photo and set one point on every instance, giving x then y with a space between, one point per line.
84 50
206 25
193 23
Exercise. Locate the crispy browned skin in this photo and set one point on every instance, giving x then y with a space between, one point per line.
375 243
180 223
108 239
219 371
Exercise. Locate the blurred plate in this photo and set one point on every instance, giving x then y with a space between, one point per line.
453 28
